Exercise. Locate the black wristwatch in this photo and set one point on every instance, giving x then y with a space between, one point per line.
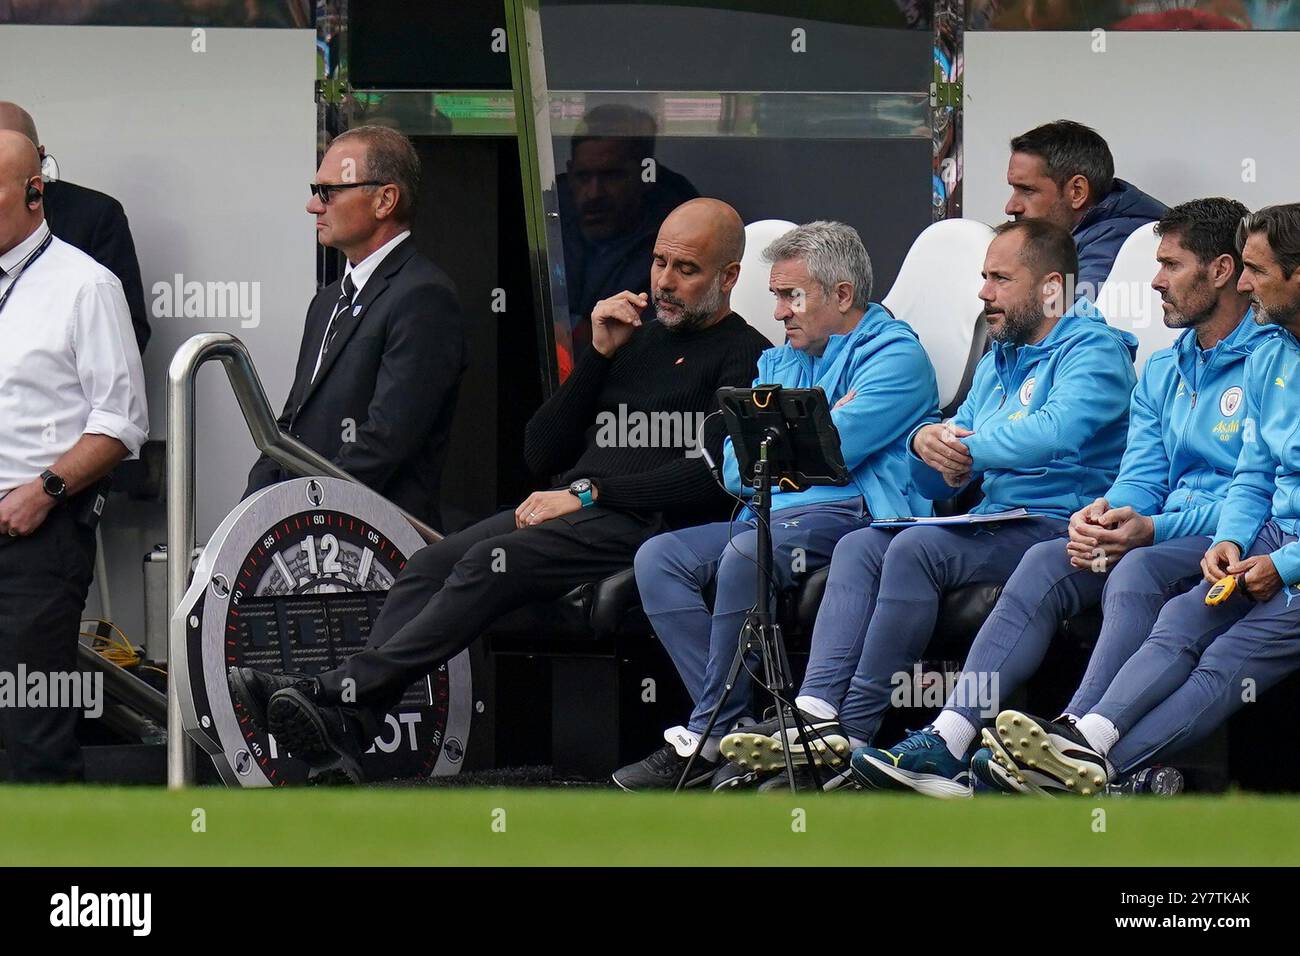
54 486
581 489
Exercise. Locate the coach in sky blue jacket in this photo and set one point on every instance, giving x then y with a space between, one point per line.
1184 432
1044 428
1141 543
1192 672
1266 485
1203 662
880 384
882 364
1048 419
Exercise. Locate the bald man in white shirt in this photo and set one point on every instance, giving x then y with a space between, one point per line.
72 406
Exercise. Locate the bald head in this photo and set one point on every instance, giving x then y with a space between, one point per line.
20 166
18 157
16 119
711 222
696 263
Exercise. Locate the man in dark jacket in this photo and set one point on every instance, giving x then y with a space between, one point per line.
1063 172
383 349
92 221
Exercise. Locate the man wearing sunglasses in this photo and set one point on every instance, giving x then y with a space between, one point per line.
383 349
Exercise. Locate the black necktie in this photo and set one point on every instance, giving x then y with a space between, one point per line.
345 302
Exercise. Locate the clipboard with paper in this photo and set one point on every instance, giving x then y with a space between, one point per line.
1009 515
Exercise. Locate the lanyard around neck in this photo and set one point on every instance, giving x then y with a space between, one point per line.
22 269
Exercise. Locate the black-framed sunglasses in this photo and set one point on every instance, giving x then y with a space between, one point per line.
326 190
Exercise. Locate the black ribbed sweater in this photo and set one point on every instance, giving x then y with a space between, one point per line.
657 370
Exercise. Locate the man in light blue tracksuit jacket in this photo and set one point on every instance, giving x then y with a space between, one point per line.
1141 543
1043 426
881 385
1201 663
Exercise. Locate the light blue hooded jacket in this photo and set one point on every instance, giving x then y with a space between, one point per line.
1049 419
1184 432
883 363
1266 483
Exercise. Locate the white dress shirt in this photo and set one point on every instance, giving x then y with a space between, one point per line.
69 364
360 273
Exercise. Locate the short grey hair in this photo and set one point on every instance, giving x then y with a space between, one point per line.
390 158
832 252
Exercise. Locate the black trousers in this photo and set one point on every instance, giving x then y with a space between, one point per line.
449 592
44 578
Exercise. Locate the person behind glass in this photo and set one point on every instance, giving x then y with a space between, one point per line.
72 405
92 221
617 487
613 196
384 347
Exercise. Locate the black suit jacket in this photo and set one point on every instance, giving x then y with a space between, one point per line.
96 224
390 376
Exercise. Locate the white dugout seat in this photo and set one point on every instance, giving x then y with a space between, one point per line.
1127 300
751 298
937 294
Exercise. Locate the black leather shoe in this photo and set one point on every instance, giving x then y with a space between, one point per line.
252 689
328 739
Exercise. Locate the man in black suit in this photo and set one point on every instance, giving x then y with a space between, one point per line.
92 221
384 348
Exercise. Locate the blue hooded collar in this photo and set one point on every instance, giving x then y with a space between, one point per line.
1124 201
1082 318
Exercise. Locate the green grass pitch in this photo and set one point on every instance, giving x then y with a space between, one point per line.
417 826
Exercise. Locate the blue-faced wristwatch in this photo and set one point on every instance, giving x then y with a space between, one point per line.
581 489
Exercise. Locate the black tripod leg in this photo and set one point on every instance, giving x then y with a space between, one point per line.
805 733
777 673
804 727
736 663
775 685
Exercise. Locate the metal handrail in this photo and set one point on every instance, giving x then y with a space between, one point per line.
281 448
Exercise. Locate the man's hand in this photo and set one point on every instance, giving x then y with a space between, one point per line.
848 397
1084 521
1082 546
1217 560
24 509
939 446
543 505
613 321
1259 575
1107 536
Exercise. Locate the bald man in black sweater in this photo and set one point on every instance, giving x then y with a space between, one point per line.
621 432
